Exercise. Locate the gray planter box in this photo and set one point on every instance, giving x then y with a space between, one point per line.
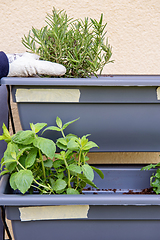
110 214
122 113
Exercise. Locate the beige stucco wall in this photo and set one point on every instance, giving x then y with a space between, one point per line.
133 28
133 31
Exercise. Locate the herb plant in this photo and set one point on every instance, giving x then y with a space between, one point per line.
80 45
155 178
33 163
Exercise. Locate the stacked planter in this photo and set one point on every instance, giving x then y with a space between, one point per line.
122 113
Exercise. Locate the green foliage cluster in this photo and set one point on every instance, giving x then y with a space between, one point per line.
80 45
155 178
32 161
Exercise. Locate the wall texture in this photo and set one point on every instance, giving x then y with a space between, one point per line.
133 31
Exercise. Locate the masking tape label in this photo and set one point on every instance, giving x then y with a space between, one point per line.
158 93
47 95
53 212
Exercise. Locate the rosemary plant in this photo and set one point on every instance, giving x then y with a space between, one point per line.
80 45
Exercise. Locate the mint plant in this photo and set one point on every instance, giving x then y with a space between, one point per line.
80 45
155 178
33 163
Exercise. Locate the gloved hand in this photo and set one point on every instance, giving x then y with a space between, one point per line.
29 65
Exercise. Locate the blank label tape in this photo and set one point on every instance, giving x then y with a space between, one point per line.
53 212
47 95
158 93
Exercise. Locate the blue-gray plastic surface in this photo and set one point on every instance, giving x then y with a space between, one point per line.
122 113
3 145
119 177
113 215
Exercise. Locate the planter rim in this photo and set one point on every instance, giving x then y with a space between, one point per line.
110 80
88 199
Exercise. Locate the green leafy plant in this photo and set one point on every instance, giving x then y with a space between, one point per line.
33 163
155 178
80 45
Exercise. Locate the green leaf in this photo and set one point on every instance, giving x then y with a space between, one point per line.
155 183
60 175
69 154
84 141
100 173
12 180
53 128
2 160
11 147
72 191
24 137
37 127
4 172
88 172
72 145
22 160
86 158
22 151
71 136
11 166
9 161
57 163
59 185
157 190
23 180
6 135
61 143
74 168
31 157
47 146
48 163
83 177
58 156
13 154
59 122
90 145
148 167
157 175
52 182
68 123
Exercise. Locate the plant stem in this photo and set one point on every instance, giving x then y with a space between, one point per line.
34 179
21 165
43 168
62 133
42 185
79 163
79 158
69 175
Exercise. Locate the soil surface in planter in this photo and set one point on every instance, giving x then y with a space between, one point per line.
144 191
96 191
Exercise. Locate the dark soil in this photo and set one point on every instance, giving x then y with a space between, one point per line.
143 191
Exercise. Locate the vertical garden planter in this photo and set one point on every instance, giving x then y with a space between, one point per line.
93 216
120 112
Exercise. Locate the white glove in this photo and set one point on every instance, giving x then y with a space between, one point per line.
29 65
